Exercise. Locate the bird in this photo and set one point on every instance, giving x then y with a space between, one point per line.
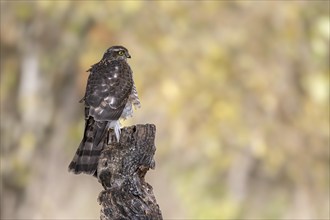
109 97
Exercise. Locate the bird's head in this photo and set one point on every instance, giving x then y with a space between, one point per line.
116 53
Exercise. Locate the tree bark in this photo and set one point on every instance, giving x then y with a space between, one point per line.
121 170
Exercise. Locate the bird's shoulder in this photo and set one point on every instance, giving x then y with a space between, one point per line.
109 67
108 79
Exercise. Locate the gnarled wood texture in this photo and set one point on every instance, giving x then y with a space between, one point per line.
121 170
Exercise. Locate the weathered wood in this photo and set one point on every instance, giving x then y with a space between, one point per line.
121 170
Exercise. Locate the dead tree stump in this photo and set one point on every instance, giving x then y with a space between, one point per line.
121 170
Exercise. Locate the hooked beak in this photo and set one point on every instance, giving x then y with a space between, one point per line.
128 56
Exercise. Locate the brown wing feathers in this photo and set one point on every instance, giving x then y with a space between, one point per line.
109 85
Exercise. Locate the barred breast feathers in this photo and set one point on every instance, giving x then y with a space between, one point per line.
133 100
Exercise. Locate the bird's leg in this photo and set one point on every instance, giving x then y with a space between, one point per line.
115 125
117 130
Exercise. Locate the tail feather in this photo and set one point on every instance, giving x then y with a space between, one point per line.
89 150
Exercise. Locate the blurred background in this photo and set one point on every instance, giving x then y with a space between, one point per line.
238 90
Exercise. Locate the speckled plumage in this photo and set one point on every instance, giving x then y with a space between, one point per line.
110 94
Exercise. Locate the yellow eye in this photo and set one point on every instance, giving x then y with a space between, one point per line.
121 52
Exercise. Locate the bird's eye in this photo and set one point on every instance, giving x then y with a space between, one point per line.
121 52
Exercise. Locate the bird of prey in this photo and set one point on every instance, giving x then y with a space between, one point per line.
110 95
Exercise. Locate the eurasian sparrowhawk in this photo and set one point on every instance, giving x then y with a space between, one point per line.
110 94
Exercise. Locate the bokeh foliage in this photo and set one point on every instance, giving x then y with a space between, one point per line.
238 90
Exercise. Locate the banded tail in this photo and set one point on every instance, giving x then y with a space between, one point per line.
89 150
